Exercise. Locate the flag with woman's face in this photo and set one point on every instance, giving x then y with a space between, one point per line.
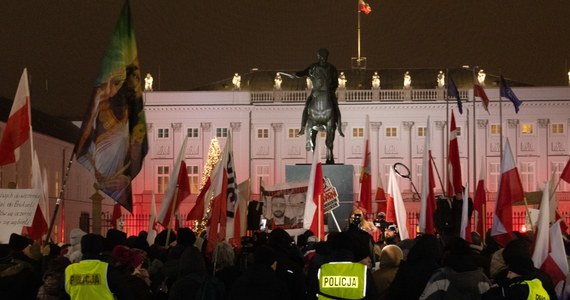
113 141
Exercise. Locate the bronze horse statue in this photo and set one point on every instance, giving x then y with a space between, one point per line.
322 115
321 111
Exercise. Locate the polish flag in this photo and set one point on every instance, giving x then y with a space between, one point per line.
17 130
510 191
454 182
39 224
152 223
116 215
364 7
565 175
169 204
427 202
197 212
478 91
313 218
366 176
480 202
399 208
549 254
224 186
465 229
380 197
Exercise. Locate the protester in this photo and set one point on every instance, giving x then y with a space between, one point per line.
18 280
390 258
260 281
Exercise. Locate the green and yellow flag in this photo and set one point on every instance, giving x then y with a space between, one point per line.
113 141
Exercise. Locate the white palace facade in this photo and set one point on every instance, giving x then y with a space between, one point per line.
264 122
264 125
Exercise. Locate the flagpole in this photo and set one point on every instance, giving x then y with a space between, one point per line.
474 138
60 196
358 32
172 209
501 121
446 146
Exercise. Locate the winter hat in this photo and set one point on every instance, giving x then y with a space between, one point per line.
186 237
75 236
91 245
521 265
19 242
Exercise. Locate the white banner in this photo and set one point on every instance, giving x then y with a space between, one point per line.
17 209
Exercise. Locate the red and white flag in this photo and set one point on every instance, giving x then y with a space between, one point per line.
168 201
380 197
314 215
17 130
116 216
565 175
197 212
480 202
510 191
364 7
152 223
465 229
39 224
221 224
454 181
549 254
427 202
399 208
366 175
554 214
478 91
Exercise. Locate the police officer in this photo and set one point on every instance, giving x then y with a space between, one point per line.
92 278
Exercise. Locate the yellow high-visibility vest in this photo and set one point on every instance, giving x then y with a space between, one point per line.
87 280
535 290
344 280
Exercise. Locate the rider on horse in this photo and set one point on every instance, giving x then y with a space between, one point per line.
331 86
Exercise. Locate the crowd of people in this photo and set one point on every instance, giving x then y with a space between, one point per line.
347 265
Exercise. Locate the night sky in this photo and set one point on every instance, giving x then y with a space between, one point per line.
186 44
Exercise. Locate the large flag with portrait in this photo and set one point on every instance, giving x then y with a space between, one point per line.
113 141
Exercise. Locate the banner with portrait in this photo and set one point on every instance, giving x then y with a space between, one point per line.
284 204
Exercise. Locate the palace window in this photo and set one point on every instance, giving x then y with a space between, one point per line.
292 133
422 131
162 178
192 133
193 178
358 132
495 129
527 129
528 175
263 133
222 132
557 128
494 175
391 131
163 133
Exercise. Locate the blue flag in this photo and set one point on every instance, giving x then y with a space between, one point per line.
453 92
508 93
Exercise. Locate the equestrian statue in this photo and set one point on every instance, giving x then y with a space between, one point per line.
321 112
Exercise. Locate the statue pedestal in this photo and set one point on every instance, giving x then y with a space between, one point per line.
342 178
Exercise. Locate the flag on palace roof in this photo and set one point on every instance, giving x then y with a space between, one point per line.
364 7
478 91
453 92
113 140
507 92
17 130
